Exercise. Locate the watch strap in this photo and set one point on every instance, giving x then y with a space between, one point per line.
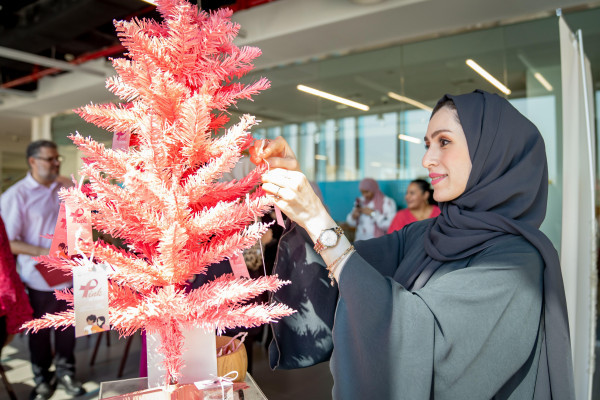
319 247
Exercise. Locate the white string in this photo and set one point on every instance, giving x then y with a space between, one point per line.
262 254
80 230
220 380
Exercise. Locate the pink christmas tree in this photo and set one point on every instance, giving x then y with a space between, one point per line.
163 197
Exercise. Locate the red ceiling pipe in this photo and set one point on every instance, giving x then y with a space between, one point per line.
108 51
237 6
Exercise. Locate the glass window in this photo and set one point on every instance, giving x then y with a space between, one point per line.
338 145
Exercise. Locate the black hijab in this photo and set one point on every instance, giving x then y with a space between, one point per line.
506 195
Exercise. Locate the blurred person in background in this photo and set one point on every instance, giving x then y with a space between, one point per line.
30 209
420 205
373 211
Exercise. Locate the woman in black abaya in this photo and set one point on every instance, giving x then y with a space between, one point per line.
468 305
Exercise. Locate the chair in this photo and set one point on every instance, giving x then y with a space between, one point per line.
123 358
100 334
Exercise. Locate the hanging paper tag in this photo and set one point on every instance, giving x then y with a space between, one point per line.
59 247
79 226
279 217
238 266
90 291
121 141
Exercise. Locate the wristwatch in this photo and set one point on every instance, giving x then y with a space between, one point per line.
328 238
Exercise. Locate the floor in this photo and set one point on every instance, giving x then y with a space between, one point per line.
309 383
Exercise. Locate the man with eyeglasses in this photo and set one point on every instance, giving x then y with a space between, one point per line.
30 209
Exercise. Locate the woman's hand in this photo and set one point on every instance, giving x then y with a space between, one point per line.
367 211
290 189
294 195
277 153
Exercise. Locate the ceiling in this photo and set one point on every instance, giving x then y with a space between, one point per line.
340 46
63 30
50 38
73 31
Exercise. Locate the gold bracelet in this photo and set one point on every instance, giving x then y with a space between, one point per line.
336 262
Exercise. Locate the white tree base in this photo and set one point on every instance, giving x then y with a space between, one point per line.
199 357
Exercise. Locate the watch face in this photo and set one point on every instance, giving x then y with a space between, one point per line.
329 238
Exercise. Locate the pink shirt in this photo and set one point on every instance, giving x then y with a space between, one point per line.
29 210
405 217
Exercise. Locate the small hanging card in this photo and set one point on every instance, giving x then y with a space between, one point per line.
90 291
79 226
238 266
59 247
279 217
52 276
121 141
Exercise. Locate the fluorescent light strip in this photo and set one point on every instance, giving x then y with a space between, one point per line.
543 81
487 76
410 101
536 74
411 139
332 97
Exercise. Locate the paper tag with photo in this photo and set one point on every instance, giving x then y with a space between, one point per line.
79 225
59 247
90 293
238 266
121 141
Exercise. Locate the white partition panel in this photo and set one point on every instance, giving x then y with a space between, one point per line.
578 246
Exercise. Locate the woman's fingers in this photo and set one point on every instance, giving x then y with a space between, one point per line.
280 186
294 196
284 178
279 192
285 163
256 151
277 153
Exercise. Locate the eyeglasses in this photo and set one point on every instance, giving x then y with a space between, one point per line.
51 159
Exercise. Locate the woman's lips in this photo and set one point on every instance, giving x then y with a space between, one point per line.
436 178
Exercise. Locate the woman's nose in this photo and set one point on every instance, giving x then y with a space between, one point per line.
429 159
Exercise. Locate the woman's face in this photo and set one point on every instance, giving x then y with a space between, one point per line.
415 197
367 194
447 156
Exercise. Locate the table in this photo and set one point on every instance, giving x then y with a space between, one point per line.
124 386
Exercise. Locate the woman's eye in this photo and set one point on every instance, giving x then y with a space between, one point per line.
426 146
444 142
